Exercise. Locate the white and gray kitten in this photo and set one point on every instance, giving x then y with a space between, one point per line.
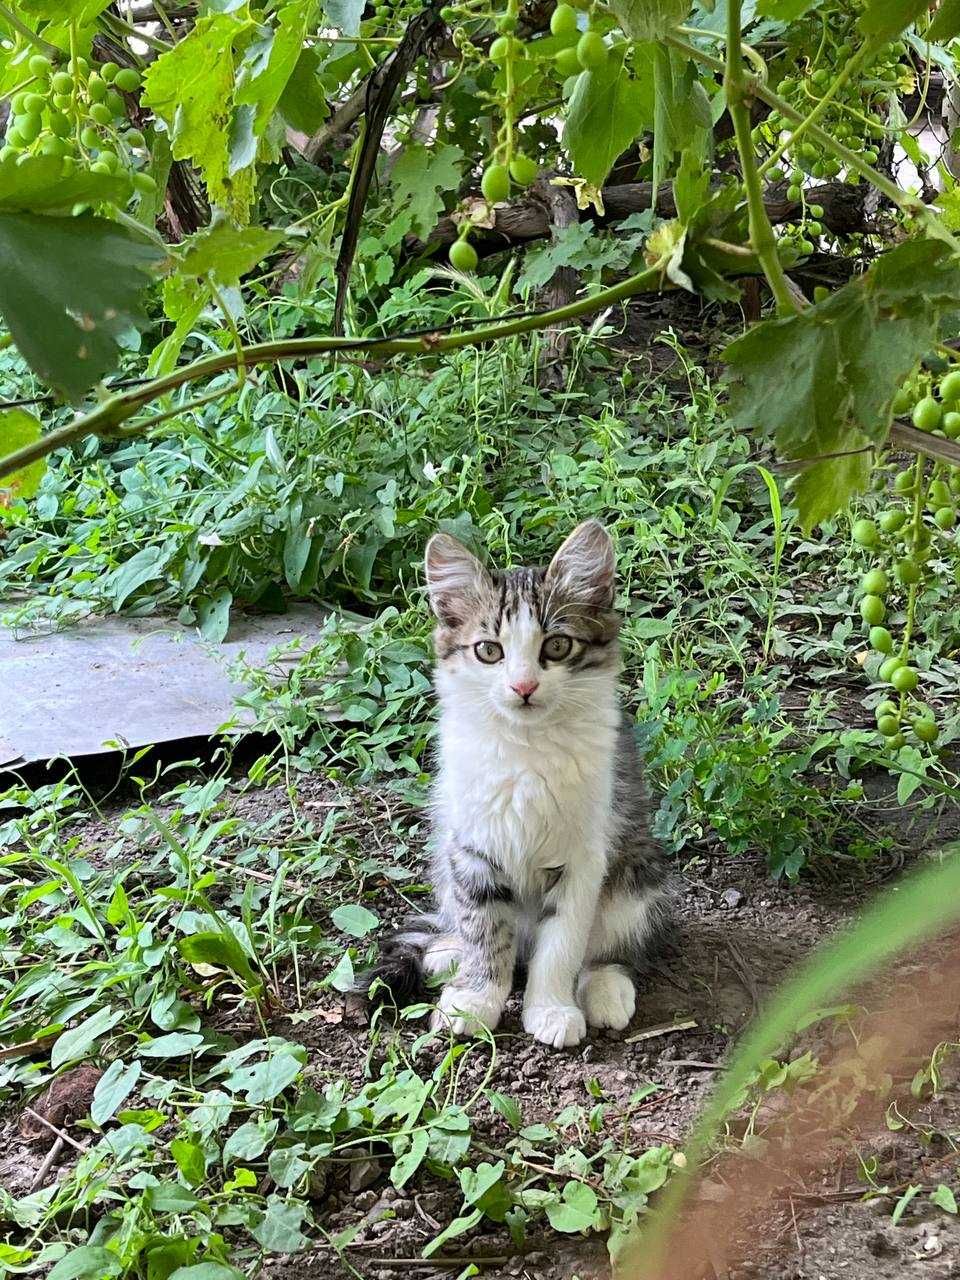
542 851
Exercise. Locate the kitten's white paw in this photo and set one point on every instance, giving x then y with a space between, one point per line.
462 1011
558 1025
608 996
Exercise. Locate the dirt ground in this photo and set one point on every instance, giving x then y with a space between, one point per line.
737 935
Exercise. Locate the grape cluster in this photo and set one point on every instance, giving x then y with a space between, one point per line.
922 509
78 114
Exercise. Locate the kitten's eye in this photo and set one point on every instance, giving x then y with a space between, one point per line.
488 651
556 648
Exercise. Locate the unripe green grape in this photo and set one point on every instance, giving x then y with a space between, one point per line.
567 62
951 425
925 729
53 146
101 113
902 402
928 414
78 66
821 76
871 155
865 534
34 104
805 246
99 167
591 51
501 49
15 141
816 210
794 194
814 228
40 66
59 125
776 173
881 640
874 583
507 23
904 679
889 667
110 159
134 138
872 610
29 127
109 71
904 481
563 22
62 82
127 79
950 386
889 726
821 293
90 138
463 256
945 517
938 495
116 104
7 152
96 88
892 521
907 572
894 744
495 183
523 170
68 165
63 101
886 708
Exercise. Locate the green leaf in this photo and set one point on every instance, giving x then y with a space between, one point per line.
344 15
900 1208
823 381
37 184
303 103
407 1165
575 1211
213 614
475 1183
177 1044
827 487
112 1089
456 1228
355 920
786 10
19 428
144 566
69 287
81 11
269 63
227 252
191 89
89 1262
509 1108
887 18
608 110
249 1141
450 1136
207 1271
944 1198
220 949
945 26
78 1041
419 180
265 1081
649 19
278 1231
190 1160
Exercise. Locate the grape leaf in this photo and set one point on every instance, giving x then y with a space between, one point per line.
786 10
227 252
419 179
649 19
37 184
269 63
303 104
69 287
946 24
887 18
19 428
82 11
608 110
826 487
191 88
344 15
822 382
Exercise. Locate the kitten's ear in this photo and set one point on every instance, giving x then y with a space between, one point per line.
584 569
456 579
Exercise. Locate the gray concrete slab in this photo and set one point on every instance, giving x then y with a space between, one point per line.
127 682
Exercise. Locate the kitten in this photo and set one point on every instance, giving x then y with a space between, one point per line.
542 849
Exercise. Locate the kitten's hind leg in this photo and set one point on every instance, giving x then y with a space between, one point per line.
623 927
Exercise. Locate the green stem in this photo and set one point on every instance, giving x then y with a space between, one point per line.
739 90
118 408
31 37
910 205
119 28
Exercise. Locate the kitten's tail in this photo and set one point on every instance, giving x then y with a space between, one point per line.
407 959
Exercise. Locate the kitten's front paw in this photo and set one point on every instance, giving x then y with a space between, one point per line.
559 1025
463 1011
608 996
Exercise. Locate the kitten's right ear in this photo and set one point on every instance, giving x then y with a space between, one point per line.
456 579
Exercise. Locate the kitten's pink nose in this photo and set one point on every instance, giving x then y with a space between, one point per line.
525 688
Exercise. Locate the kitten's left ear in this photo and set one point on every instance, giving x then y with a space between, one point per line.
584 569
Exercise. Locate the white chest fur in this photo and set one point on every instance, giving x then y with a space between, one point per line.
528 799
